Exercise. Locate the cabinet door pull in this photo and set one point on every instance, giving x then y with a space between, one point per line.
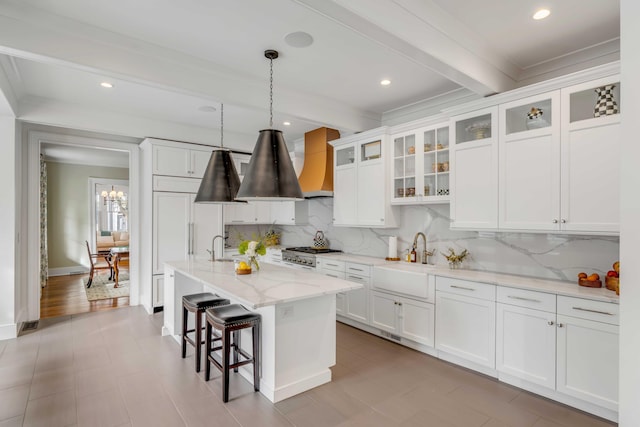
355 277
555 221
171 275
355 269
523 298
560 325
564 221
462 287
592 311
189 238
550 323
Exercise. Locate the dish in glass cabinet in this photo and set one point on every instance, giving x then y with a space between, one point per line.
480 129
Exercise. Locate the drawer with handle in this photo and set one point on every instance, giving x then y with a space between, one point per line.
330 264
599 311
358 269
528 299
465 287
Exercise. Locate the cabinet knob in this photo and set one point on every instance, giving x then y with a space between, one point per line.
560 325
381 219
555 221
550 323
171 275
564 221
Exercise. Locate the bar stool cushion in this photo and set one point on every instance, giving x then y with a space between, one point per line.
233 314
203 301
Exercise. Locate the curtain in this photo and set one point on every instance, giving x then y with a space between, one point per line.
44 255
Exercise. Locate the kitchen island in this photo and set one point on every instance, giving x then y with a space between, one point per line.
298 311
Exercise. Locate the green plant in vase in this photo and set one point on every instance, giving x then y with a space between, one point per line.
252 248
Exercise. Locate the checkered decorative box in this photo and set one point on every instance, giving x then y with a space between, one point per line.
606 105
443 192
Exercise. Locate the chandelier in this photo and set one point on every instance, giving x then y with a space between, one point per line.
119 198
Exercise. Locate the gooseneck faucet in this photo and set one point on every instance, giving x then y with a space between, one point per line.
425 254
213 248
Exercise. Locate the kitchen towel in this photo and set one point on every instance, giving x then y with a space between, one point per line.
393 247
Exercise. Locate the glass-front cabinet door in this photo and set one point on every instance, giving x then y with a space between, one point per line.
421 165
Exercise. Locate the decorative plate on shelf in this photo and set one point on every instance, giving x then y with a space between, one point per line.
480 129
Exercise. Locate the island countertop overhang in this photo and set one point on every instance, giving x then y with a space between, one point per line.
270 285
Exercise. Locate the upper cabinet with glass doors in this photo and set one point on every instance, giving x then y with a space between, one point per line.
420 165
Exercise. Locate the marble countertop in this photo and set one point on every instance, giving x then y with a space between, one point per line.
270 285
557 287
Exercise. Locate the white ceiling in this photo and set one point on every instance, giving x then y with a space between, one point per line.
167 59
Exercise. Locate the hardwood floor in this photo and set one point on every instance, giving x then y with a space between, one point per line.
65 295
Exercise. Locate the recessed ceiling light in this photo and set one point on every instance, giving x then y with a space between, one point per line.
286 123
385 82
207 109
106 84
299 39
541 14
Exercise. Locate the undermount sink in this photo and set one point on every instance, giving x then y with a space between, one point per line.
224 260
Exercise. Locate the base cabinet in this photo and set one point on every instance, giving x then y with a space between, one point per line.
408 318
526 344
158 291
465 323
588 349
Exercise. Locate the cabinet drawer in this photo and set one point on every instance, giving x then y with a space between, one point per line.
336 274
599 311
465 287
175 184
357 278
330 264
525 298
358 269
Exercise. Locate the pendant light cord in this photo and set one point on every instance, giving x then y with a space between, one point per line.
221 125
271 94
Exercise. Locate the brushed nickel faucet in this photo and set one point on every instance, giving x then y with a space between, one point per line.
425 254
213 248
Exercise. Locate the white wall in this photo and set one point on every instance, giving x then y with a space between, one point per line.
8 235
630 226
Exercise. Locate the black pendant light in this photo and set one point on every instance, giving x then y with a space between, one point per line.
270 174
220 182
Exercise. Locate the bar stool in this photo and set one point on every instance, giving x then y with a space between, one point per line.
197 303
227 319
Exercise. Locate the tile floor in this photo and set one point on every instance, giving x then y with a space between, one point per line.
114 369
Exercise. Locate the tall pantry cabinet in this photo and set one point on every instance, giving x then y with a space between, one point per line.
173 226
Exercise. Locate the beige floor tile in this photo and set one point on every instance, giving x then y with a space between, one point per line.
89 358
52 381
427 419
483 401
103 409
154 410
370 419
202 411
333 394
96 380
496 423
561 414
140 386
316 414
13 401
254 410
12 422
55 410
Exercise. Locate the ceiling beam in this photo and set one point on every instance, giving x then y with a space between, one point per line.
424 33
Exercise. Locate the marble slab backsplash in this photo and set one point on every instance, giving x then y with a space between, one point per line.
549 256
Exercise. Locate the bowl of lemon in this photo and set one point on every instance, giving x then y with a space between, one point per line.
242 268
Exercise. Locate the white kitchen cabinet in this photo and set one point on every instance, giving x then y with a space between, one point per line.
289 213
474 170
420 165
361 198
404 317
158 291
529 167
588 350
248 213
176 160
357 301
526 336
182 228
352 304
466 322
590 161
